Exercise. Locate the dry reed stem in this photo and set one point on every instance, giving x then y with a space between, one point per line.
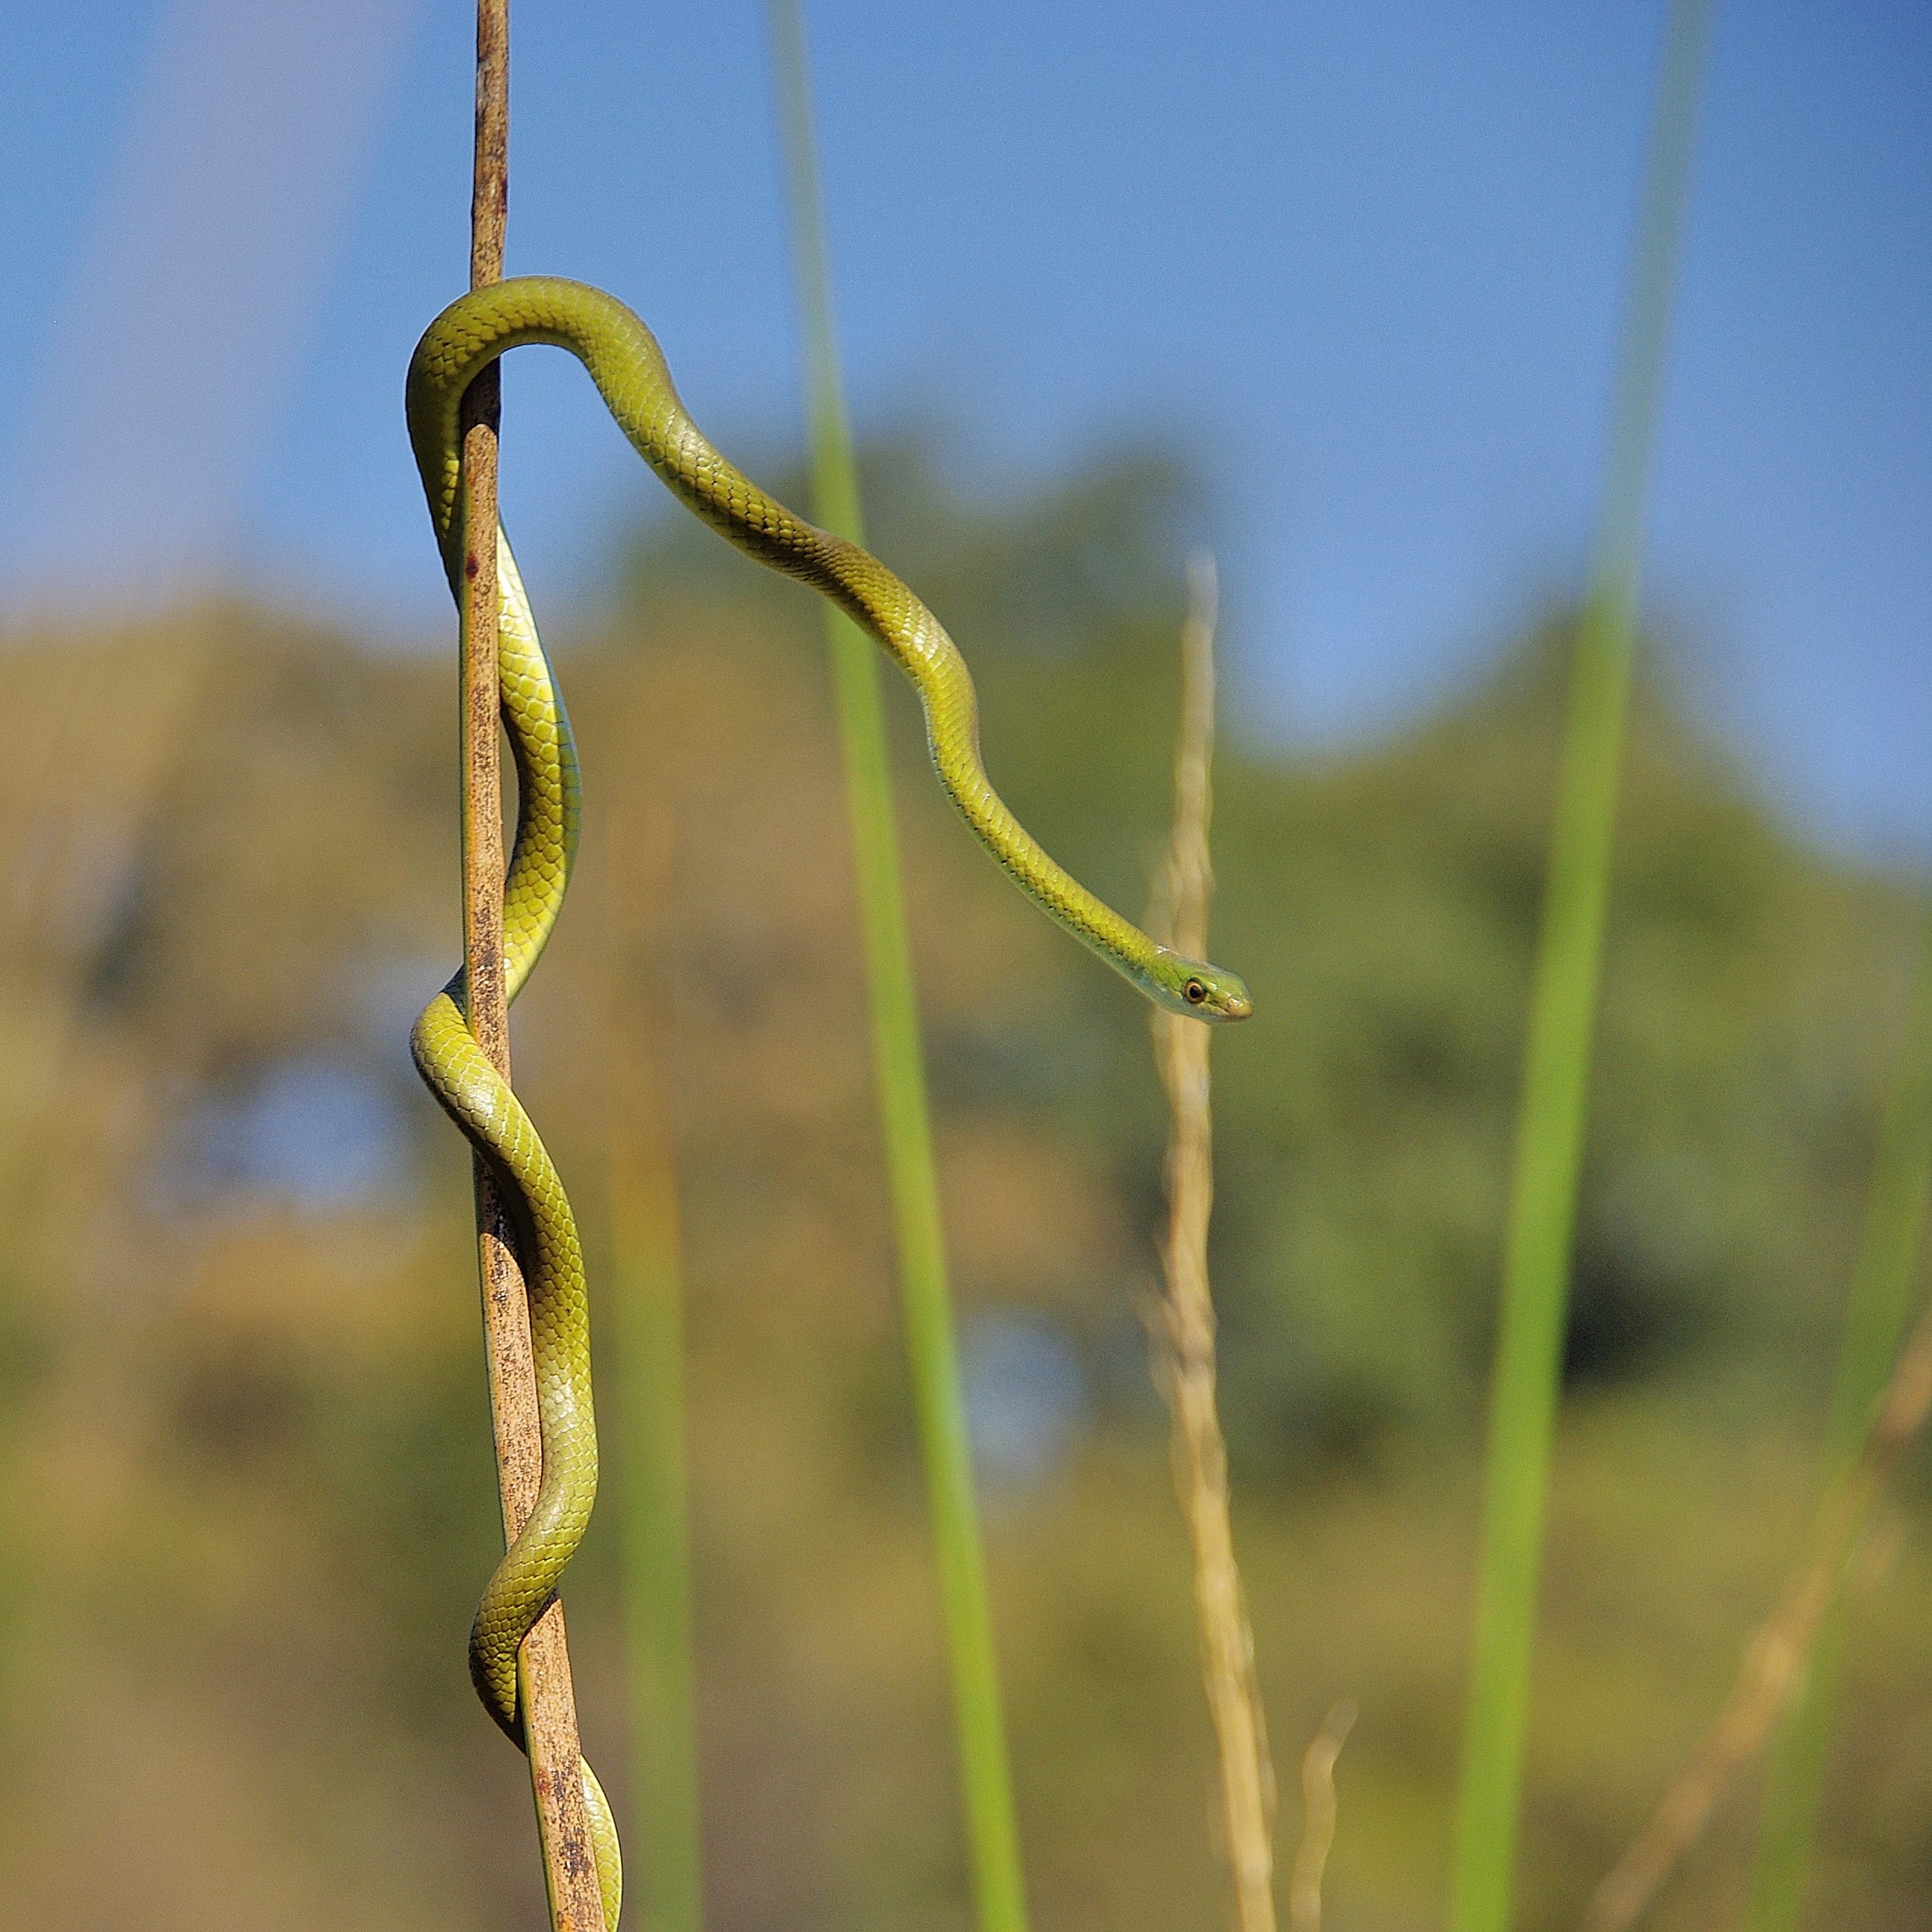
1776 1658
1310 1858
546 1693
1184 1324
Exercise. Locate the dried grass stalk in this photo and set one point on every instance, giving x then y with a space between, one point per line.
1776 1657
1310 1860
545 1690
1183 1323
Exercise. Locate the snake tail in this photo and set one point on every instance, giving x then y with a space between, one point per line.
625 364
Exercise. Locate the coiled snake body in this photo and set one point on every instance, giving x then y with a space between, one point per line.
625 363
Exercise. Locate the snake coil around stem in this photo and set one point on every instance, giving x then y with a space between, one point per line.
624 360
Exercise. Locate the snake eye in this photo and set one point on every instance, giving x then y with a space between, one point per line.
1194 992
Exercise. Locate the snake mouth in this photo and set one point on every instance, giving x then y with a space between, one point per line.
1237 1006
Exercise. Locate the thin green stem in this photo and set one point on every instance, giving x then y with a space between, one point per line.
1875 1318
986 1785
1562 1017
648 1307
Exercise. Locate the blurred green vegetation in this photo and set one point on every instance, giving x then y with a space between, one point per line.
243 1415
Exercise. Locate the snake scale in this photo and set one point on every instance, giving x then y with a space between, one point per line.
624 360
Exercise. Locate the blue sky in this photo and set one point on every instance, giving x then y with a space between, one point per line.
1368 259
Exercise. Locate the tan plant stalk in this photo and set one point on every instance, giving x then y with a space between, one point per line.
1183 1323
1311 1859
547 1696
1776 1657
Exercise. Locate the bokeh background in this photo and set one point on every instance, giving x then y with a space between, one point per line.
1334 291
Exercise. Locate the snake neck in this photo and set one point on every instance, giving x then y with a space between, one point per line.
624 361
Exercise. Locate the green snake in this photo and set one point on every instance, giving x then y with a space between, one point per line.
624 362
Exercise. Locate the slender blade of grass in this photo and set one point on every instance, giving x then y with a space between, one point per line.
1549 1133
647 1298
653 1496
1875 1319
992 1831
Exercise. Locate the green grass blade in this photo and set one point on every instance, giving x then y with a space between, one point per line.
992 1832
1563 1016
1880 1303
649 1487
648 1307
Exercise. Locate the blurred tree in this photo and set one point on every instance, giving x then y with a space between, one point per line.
246 1445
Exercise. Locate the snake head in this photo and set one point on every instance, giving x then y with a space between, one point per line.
1194 987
